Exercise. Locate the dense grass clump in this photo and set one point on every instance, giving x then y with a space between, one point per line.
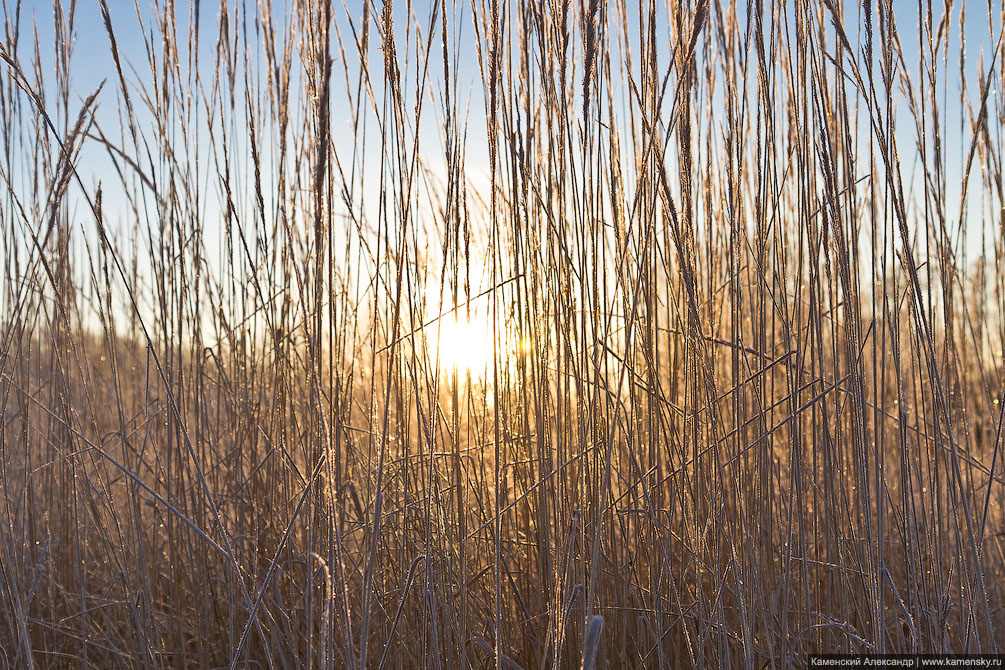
525 334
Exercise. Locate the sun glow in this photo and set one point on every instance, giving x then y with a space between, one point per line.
464 344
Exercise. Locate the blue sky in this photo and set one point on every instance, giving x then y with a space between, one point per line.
93 64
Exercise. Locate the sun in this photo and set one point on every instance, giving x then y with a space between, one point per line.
464 344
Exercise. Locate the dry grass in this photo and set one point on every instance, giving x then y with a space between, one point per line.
741 274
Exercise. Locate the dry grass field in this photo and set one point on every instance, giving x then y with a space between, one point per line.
489 333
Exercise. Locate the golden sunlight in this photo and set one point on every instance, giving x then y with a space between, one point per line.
465 344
